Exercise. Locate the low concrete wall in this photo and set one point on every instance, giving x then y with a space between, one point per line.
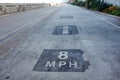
13 8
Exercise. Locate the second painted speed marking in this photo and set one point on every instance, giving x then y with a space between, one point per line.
66 30
61 60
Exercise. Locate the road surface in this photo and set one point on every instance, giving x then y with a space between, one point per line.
59 43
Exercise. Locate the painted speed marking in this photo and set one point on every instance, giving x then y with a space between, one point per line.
63 55
61 60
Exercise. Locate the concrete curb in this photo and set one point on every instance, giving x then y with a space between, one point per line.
103 13
109 15
8 8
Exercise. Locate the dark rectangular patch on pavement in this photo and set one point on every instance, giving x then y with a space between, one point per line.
66 30
61 60
66 17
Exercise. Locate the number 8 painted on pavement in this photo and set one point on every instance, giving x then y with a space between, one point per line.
63 55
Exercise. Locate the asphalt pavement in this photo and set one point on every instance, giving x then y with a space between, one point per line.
59 43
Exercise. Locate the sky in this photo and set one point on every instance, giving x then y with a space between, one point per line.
117 2
31 1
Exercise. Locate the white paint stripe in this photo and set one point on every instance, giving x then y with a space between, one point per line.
107 22
65 29
16 30
20 27
112 24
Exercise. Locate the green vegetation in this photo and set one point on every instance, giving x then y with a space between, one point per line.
116 12
98 5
